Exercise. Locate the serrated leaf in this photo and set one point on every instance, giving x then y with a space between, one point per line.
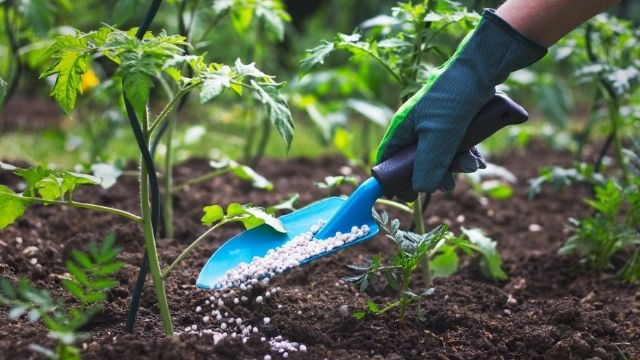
213 85
250 70
137 87
212 214
491 262
277 110
315 56
11 207
69 67
32 175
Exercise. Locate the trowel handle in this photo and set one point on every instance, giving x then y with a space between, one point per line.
396 172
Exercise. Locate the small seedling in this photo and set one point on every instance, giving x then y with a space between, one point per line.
435 251
91 275
611 229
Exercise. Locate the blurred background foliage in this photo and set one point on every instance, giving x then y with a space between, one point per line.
341 107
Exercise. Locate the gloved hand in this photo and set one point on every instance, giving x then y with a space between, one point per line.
438 115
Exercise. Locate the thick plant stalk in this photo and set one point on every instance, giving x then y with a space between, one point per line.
152 252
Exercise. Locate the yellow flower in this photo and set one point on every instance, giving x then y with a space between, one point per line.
89 81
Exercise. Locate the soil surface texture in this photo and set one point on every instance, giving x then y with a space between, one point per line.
550 308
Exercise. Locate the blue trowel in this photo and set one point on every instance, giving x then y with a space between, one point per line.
342 214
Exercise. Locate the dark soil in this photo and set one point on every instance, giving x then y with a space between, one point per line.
550 308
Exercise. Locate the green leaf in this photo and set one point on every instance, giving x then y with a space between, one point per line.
359 315
11 207
373 307
108 269
33 175
137 87
491 262
259 217
74 288
77 273
288 204
315 56
103 284
82 259
250 70
71 179
214 83
50 188
446 262
123 11
277 109
274 16
256 216
497 190
212 214
244 172
332 182
38 14
69 66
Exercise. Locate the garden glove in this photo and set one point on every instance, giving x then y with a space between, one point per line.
438 115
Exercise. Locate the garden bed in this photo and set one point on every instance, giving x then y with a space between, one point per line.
549 308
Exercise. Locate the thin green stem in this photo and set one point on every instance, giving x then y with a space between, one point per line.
381 62
167 109
100 208
199 179
167 271
150 244
420 229
396 205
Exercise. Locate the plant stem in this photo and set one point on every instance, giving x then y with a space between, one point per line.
167 271
381 62
100 208
420 229
150 244
167 109
396 205
199 179
404 299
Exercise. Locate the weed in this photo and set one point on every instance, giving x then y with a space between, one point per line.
91 275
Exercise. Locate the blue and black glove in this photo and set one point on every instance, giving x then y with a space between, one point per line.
438 115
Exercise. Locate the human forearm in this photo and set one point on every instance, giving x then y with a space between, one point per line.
546 21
